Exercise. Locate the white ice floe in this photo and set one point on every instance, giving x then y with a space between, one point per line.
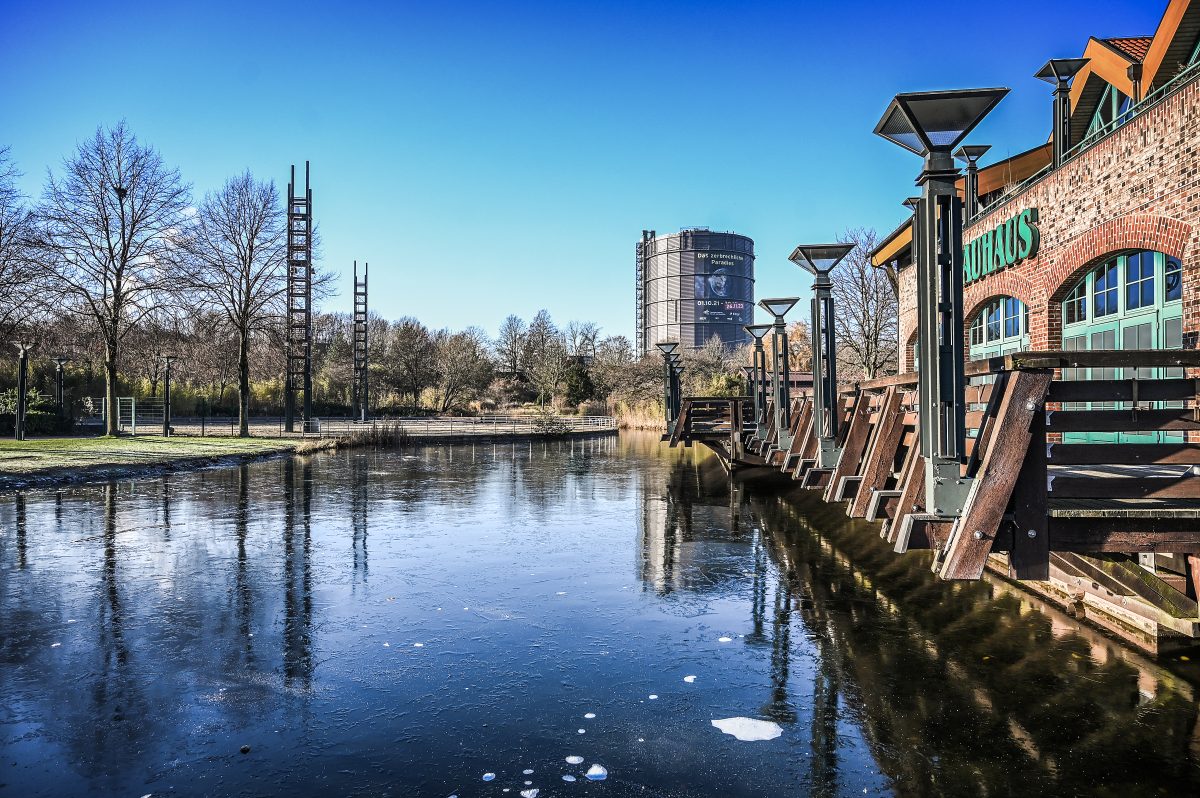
527 783
724 639
574 760
653 697
55 645
561 593
689 679
597 773
489 776
582 731
527 771
568 777
418 645
641 739
749 729
589 715
530 793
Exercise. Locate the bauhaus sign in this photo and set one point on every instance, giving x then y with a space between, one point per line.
1007 244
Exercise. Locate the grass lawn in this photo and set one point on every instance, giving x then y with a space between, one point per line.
44 454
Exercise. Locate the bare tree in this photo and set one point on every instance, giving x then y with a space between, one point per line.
238 243
581 338
545 355
16 230
866 308
408 362
510 344
109 232
463 366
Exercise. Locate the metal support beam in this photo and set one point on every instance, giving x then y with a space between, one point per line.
298 375
22 388
361 394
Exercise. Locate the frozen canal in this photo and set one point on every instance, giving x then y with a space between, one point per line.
591 618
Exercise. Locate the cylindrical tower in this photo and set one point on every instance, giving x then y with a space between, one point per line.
696 284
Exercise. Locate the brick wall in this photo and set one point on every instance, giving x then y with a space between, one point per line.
1137 189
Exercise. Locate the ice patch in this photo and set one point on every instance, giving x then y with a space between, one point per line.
489 776
527 772
689 679
568 778
561 593
641 739
749 729
653 697
589 715
724 639
530 793
527 783
418 645
55 645
574 760
583 731
597 773
72 620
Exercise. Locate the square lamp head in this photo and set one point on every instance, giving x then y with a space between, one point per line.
936 121
971 153
819 259
778 307
667 347
757 330
1061 70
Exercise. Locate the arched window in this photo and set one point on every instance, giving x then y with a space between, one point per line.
1132 300
1000 328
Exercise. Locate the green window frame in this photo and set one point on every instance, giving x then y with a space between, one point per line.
1000 328
1113 110
1136 303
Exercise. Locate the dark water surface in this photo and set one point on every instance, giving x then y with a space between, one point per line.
403 623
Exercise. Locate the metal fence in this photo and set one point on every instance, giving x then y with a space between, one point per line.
145 417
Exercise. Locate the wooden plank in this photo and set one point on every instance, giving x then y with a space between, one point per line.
1029 557
975 531
1165 535
1121 420
1122 391
1124 453
906 379
854 446
912 495
1098 358
878 466
1092 487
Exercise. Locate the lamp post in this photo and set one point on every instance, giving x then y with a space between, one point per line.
781 378
668 348
931 125
60 396
168 359
760 373
820 260
22 387
971 153
1059 71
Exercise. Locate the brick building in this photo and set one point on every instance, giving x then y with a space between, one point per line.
1102 252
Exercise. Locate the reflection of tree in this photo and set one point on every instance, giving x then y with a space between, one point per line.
241 585
112 628
297 576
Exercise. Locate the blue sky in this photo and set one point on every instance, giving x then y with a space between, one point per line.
496 158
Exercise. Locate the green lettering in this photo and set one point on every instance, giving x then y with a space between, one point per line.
986 265
1010 242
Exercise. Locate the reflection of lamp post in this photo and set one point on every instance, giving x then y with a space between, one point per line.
782 375
760 373
971 153
932 124
668 348
22 387
819 260
168 359
59 392
677 374
1059 72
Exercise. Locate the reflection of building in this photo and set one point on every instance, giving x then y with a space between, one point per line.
1099 252
693 285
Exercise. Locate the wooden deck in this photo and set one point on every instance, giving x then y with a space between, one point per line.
1039 509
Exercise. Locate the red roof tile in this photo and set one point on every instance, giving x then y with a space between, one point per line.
1135 47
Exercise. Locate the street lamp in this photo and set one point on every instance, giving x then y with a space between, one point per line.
59 381
932 124
1059 71
779 359
760 373
22 387
668 348
971 153
168 359
820 260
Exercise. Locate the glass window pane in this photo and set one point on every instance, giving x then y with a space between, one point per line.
1174 280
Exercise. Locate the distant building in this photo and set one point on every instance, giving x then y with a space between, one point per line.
693 285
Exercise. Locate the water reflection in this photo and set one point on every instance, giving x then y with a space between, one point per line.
402 622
